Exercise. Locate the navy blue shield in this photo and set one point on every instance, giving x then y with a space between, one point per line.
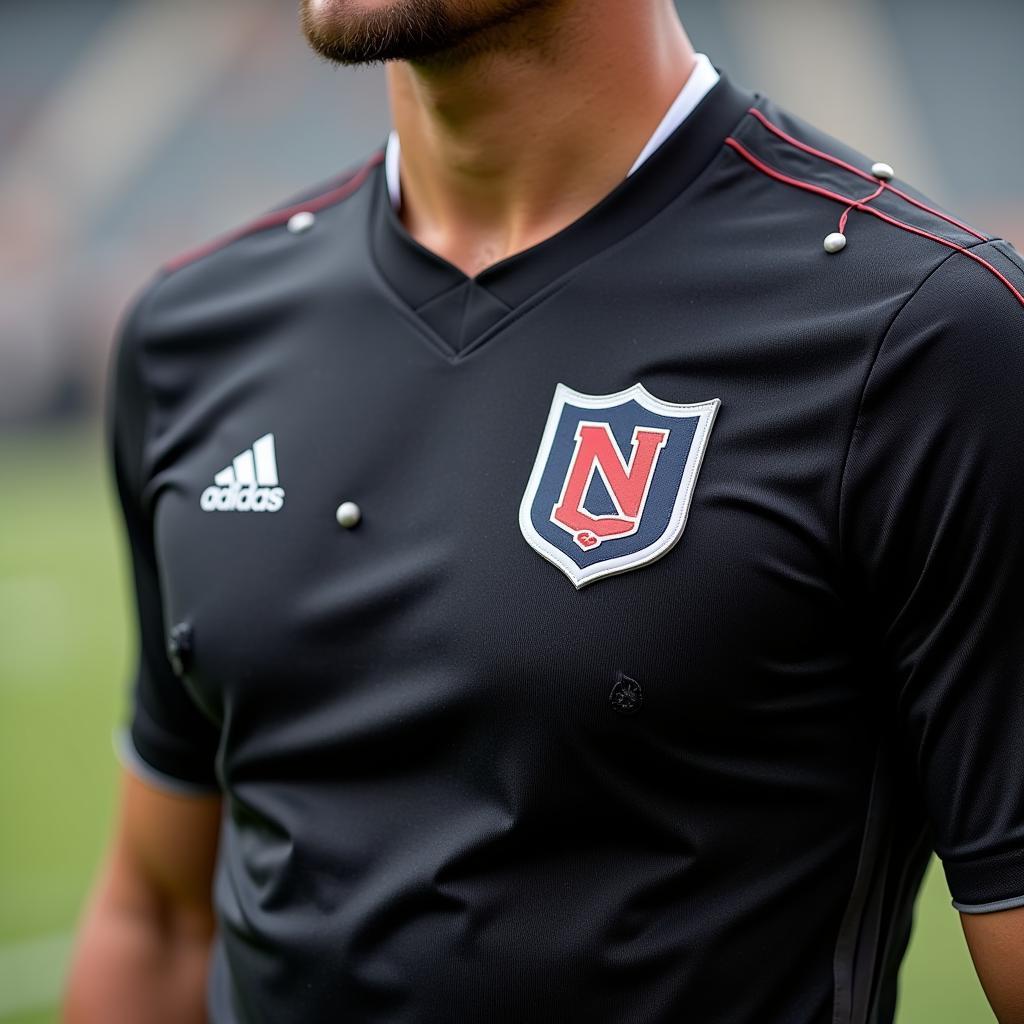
613 479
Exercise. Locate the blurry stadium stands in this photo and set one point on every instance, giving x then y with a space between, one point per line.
131 130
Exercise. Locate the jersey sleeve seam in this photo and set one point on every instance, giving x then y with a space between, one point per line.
867 383
1005 249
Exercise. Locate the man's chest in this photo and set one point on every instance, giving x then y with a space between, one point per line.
593 517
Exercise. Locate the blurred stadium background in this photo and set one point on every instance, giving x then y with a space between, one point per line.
132 130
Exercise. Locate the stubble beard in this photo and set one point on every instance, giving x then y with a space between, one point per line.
430 32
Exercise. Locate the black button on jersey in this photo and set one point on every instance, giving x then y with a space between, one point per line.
680 616
179 648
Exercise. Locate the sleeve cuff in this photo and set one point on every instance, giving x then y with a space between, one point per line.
128 754
987 883
989 908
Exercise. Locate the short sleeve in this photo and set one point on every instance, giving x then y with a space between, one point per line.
932 530
168 741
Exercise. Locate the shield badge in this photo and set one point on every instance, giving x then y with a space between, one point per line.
613 479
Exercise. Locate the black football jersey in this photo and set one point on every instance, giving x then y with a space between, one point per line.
605 638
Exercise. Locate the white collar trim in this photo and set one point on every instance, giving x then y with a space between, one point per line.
702 80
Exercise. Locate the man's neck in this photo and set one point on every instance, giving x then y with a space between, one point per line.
504 149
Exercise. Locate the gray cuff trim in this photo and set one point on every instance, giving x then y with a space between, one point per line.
989 908
130 758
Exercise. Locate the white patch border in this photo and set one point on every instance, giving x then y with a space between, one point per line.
704 412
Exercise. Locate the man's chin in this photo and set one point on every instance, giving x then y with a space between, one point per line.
373 31
369 31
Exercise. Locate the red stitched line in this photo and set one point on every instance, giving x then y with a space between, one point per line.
335 195
857 204
776 130
867 199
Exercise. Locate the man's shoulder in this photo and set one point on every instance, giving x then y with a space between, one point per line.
800 159
296 215
193 290
860 213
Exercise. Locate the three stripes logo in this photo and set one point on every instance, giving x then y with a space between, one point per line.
249 484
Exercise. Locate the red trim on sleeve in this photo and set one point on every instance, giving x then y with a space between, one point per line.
278 217
859 204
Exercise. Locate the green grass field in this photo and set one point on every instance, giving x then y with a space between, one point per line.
64 641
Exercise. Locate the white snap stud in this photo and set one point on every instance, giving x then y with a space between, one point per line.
348 514
835 242
300 222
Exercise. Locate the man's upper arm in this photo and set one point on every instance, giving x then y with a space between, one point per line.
169 741
164 852
996 942
932 528
933 533
144 942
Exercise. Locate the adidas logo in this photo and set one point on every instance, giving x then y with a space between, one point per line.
249 484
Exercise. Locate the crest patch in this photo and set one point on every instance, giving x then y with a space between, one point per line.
613 479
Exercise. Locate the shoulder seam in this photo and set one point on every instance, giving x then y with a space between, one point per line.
1006 249
841 555
338 193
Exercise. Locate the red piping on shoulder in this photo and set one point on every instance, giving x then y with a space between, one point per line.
867 199
776 130
334 195
859 204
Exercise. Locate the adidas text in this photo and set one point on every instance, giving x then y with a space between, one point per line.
242 498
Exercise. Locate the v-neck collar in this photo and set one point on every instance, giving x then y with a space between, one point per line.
459 310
